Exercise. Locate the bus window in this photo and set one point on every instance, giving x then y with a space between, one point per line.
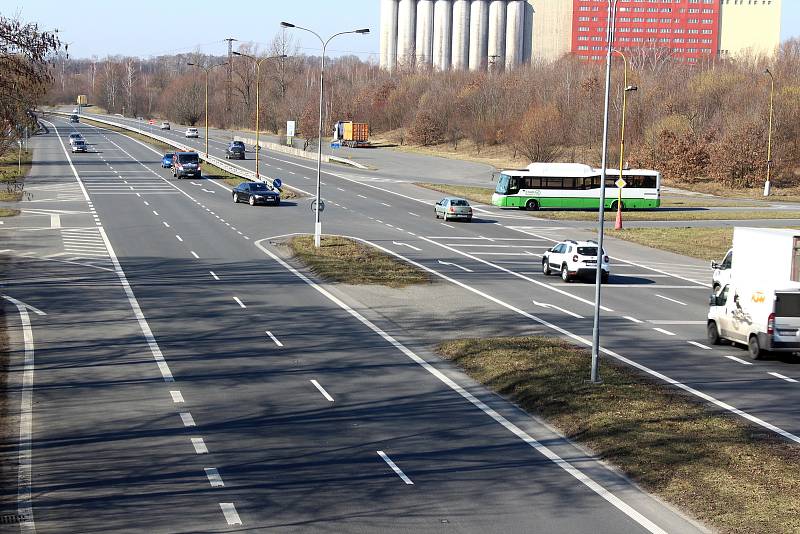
572 183
513 185
554 183
641 182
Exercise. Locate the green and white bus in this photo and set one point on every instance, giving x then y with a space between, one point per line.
574 185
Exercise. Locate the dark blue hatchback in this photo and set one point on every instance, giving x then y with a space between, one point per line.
166 161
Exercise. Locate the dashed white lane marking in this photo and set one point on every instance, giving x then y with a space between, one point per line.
179 238
273 338
187 419
213 477
447 225
632 319
239 302
165 223
146 203
699 345
666 332
322 390
394 467
340 189
177 396
738 360
400 244
229 511
414 214
361 196
194 254
199 446
782 377
671 300
155 213
214 275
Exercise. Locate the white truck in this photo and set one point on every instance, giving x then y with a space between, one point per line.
757 298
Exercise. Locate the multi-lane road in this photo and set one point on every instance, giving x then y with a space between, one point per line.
182 376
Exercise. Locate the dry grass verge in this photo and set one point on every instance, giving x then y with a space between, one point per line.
347 261
703 243
482 195
733 476
655 215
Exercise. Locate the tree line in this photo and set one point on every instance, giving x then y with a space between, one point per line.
694 123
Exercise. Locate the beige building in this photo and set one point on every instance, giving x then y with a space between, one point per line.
749 27
552 29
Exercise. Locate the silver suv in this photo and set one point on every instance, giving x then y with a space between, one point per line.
574 259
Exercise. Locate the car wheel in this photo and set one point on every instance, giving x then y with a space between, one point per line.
754 348
565 273
531 205
278 202
235 198
712 333
469 219
252 200
546 267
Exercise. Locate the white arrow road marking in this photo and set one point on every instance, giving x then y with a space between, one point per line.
456 265
405 245
545 305
208 191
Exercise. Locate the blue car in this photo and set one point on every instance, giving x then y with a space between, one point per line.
166 161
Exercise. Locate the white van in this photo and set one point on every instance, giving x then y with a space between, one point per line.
191 132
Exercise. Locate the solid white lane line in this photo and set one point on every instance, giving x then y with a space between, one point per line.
187 419
239 302
322 390
671 300
229 511
394 467
273 338
782 377
455 265
414 214
194 254
340 189
632 319
199 446
553 306
699 345
177 396
666 332
508 425
214 275
213 477
179 238
738 360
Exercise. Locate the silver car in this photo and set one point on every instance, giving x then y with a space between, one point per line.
453 208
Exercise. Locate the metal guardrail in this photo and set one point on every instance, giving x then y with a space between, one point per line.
213 160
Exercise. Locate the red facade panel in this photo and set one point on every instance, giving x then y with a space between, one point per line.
686 29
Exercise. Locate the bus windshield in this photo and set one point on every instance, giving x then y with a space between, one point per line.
502 184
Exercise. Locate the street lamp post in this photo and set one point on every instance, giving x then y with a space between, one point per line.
207 70
611 21
258 62
627 88
769 135
363 31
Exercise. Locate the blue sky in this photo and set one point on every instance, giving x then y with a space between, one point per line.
147 28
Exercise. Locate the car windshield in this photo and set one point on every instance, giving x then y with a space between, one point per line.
238 143
459 202
169 155
188 158
258 187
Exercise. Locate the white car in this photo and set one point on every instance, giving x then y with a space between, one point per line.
165 125
74 136
79 145
574 259
192 132
722 272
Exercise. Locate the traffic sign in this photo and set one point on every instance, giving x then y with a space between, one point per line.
321 205
621 183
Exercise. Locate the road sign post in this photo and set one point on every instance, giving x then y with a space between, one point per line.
620 183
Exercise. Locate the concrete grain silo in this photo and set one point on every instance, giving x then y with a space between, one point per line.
496 52
424 40
442 34
460 48
515 33
406 32
388 34
478 34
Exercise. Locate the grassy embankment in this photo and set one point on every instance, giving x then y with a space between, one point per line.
209 170
12 178
349 262
733 476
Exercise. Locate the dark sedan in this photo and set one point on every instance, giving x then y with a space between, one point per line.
255 193
235 150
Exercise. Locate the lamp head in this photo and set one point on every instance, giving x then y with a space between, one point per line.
287 25
363 31
236 53
632 88
191 64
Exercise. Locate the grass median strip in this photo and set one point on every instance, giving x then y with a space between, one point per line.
14 167
731 475
482 195
671 215
347 261
703 243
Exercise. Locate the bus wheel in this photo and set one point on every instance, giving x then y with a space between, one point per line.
531 205
614 206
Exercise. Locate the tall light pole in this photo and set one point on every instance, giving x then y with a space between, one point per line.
207 70
611 21
769 135
625 91
363 31
258 62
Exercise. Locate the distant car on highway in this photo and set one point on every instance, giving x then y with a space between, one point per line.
79 145
74 136
235 150
74 118
255 193
186 164
575 259
166 160
165 125
192 132
453 208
